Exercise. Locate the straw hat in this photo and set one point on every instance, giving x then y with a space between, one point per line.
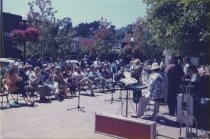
155 66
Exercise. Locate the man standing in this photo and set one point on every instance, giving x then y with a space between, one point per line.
174 74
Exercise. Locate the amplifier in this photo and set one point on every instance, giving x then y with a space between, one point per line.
122 127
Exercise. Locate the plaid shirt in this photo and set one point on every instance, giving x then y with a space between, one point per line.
156 88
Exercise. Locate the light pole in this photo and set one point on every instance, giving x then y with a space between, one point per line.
24 20
1 30
132 41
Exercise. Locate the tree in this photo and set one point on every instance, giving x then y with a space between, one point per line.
180 25
64 35
22 37
41 15
136 52
105 36
83 30
100 36
143 38
86 29
88 43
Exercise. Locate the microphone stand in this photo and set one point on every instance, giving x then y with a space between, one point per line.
79 108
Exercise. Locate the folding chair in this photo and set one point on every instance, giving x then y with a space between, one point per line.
54 88
3 94
17 94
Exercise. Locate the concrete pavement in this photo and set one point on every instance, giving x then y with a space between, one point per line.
57 120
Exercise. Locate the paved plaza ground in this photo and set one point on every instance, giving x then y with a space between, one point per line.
56 120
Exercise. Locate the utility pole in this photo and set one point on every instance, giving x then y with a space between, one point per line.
1 30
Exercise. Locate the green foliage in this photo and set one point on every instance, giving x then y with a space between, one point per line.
100 36
180 25
136 52
55 35
86 29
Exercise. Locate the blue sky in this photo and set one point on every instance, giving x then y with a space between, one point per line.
119 12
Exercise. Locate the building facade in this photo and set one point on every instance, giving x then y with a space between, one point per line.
11 22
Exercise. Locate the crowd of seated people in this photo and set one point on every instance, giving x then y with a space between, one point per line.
41 77
39 80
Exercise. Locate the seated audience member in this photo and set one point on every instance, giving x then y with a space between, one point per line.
96 76
62 83
96 63
47 79
113 67
35 83
66 71
81 80
22 75
90 74
13 85
101 77
97 73
46 74
106 72
71 83
29 70
119 75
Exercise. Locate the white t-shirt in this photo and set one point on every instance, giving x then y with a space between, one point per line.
186 69
78 77
35 79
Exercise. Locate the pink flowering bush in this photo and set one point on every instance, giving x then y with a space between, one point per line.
18 36
21 36
31 34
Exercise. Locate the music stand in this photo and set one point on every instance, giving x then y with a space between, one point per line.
126 100
112 88
78 102
112 96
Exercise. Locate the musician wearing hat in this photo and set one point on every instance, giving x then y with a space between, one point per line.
156 90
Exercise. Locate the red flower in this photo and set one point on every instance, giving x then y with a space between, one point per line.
32 34
18 37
